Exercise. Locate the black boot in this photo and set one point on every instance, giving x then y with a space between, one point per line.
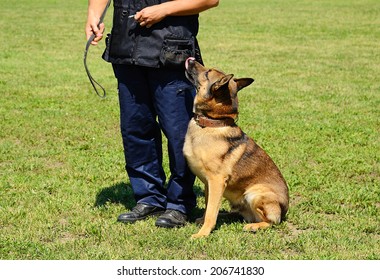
171 219
140 212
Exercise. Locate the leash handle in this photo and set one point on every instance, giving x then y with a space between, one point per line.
88 44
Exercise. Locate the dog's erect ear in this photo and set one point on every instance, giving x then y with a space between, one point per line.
222 82
243 82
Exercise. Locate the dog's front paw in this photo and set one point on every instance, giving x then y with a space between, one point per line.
198 235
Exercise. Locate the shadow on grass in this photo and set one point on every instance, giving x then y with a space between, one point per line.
224 217
122 193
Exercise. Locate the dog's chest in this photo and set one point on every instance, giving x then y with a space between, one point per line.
207 150
204 148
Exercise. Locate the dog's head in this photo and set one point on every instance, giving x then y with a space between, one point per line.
216 91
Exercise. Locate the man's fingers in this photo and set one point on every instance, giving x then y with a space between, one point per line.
138 16
98 32
101 28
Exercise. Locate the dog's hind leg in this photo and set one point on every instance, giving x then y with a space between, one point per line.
216 187
266 210
267 216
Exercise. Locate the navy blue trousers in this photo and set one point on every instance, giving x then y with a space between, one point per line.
154 101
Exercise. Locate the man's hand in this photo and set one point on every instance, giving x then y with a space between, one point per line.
93 28
95 10
151 15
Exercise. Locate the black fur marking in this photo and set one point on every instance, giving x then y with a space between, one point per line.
235 143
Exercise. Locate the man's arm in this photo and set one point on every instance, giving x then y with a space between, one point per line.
153 14
95 10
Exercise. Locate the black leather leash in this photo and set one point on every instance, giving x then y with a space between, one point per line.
88 44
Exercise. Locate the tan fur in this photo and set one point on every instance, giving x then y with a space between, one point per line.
226 160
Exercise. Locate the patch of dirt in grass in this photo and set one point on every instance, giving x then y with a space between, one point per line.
66 237
295 231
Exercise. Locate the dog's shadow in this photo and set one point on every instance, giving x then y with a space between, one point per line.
224 217
122 193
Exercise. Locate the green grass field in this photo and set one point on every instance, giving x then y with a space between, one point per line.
314 107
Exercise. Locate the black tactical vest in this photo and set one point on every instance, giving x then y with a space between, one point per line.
166 44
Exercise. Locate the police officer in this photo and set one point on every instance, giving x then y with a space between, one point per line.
148 45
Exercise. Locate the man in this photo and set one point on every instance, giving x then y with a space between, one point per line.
148 45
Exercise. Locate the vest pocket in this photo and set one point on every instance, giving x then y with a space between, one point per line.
175 51
117 45
106 53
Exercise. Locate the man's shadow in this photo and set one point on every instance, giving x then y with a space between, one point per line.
122 193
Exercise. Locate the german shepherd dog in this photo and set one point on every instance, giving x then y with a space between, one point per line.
225 159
